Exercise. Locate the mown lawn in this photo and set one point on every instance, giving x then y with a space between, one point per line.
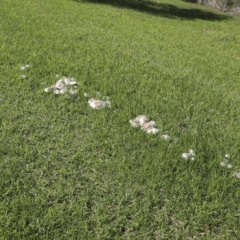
72 172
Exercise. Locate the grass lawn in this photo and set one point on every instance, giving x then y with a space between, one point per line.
72 172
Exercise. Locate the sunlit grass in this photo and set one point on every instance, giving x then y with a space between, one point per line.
73 172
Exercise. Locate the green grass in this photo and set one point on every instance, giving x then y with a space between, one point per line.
70 172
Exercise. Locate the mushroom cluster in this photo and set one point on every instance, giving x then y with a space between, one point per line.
62 86
145 124
98 104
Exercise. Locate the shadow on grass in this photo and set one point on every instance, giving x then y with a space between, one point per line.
190 1
162 9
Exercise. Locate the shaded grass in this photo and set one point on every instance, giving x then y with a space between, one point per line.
163 9
71 172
